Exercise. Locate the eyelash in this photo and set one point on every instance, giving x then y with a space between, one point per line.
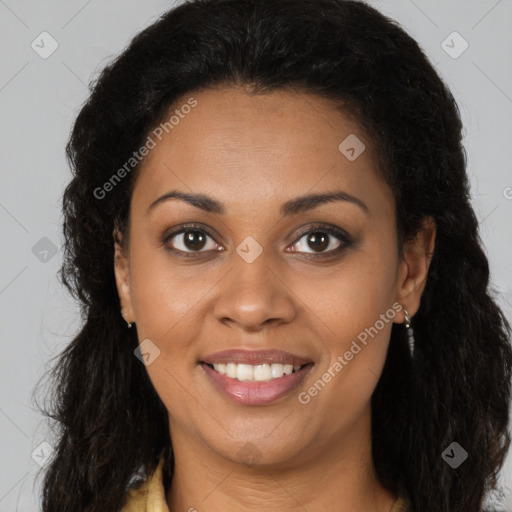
345 239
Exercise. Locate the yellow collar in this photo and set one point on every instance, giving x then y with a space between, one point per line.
150 495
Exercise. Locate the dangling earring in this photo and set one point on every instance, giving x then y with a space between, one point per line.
123 314
410 334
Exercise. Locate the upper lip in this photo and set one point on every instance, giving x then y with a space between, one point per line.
253 357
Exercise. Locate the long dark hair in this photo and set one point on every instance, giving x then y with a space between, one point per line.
110 424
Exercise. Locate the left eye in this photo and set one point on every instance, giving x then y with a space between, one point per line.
320 240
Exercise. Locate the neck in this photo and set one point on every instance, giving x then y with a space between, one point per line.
334 474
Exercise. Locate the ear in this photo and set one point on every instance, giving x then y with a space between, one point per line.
122 274
413 271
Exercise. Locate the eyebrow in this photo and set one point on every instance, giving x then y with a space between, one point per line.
292 207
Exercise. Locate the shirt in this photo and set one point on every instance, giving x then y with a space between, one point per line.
150 495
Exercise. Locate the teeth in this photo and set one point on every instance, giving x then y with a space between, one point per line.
245 372
231 370
256 373
276 370
261 372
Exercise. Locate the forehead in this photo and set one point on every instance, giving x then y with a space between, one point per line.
249 149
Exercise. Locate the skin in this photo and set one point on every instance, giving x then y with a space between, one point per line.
253 153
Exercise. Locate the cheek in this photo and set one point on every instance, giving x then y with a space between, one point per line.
349 302
161 293
350 297
163 300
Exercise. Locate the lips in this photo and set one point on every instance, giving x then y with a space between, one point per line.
254 392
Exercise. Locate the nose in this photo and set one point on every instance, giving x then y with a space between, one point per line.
254 296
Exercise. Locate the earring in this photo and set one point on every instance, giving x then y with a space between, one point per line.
129 324
410 334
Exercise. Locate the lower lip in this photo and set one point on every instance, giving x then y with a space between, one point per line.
256 393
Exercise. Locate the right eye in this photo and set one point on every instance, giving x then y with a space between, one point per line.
189 240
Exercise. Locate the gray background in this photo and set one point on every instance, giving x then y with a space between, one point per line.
39 99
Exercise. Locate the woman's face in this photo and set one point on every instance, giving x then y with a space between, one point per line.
248 276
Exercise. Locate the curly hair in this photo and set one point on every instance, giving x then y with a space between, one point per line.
110 423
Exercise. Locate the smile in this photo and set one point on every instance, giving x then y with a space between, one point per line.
255 373
251 391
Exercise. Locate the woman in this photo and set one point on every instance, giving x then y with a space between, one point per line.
285 296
